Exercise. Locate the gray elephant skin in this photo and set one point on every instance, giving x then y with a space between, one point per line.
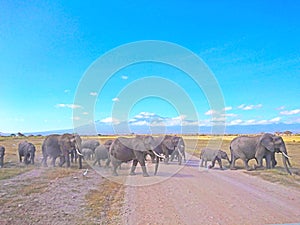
179 151
212 155
102 153
166 145
61 146
26 150
91 144
2 153
127 149
259 147
87 153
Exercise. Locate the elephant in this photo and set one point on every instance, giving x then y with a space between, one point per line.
259 147
213 155
91 144
2 153
60 146
126 149
166 145
26 150
179 151
87 153
102 153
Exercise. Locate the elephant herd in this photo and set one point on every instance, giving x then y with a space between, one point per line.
246 148
70 147
26 151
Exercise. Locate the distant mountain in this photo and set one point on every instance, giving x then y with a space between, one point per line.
142 127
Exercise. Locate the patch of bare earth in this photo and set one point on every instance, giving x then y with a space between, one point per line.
54 196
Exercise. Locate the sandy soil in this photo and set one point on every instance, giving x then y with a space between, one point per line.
34 198
202 196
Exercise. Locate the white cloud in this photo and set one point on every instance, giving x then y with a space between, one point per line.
227 108
93 93
71 106
211 112
115 99
249 107
229 115
124 77
85 113
110 120
67 91
253 122
235 122
75 118
290 112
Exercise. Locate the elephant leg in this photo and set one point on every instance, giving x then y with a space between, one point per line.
53 161
72 156
79 161
268 161
246 164
62 160
220 163
212 163
115 163
273 160
232 164
133 167
95 162
68 160
201 162
205 163
108 162
44 161
142 163
179 159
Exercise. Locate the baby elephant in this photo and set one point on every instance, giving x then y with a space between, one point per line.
102 153
26 150
213 155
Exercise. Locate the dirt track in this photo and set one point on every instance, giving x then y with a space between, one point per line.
203 196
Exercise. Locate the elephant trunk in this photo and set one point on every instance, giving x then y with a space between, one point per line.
284 159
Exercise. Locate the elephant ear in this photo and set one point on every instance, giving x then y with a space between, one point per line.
268 143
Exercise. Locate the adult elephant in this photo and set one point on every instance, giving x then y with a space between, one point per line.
127 149
61 146
259 147
26 150
102 153
166 145
2 153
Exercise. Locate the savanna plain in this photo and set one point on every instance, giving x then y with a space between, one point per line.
33 194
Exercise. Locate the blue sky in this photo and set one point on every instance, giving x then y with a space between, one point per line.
251 47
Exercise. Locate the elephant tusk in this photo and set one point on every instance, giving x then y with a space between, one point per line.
285 155
160 156
78 152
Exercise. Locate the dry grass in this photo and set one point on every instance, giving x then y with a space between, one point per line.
105 203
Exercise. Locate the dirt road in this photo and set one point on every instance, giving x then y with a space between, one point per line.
201 196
